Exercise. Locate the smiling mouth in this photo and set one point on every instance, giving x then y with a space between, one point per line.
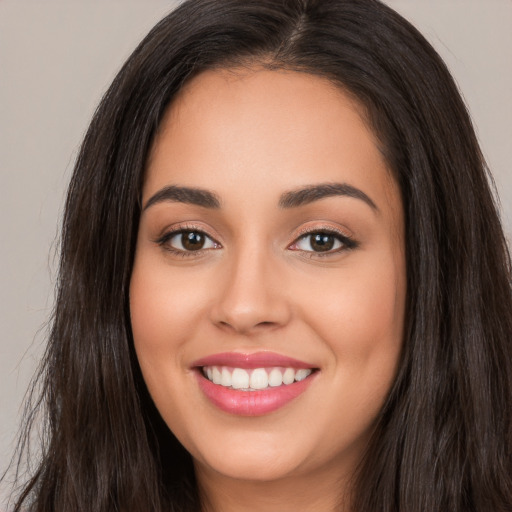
255 379
252 384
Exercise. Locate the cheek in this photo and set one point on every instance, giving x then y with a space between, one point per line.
163 312
360 317
164 316
369 314
164 305
154 314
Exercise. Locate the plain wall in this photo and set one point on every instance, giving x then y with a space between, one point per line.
57 59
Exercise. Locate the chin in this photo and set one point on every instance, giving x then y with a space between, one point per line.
260 457
255 469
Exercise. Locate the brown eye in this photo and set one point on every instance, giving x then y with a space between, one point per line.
184 241
321 242
192 240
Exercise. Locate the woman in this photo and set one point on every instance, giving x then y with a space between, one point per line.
283 279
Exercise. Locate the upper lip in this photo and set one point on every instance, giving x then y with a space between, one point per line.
251 361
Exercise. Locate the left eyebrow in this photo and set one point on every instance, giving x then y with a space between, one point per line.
312 193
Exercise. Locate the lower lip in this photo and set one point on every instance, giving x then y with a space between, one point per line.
252 403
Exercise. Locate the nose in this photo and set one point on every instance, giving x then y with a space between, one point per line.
252 295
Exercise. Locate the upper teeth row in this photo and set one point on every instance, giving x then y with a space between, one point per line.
259 378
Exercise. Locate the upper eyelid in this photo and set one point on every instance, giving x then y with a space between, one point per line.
163 241
170 232
322 229
347 240
174 230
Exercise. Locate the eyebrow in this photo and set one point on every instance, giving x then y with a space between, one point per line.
189 195
291 199
312 193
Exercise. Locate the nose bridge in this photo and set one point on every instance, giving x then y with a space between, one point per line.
252 296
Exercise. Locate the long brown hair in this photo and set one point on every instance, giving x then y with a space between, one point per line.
444 436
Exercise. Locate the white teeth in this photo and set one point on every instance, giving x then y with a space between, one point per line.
225 378
288 376
259 379
301 374
217 376
275 378
252 380
239 379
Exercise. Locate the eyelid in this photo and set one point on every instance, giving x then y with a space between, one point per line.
347 240
323 228
175 230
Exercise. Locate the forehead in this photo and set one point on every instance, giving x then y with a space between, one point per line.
264 131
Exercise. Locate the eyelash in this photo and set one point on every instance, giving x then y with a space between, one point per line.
164 240
347 242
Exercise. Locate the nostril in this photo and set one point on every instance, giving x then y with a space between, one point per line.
246 328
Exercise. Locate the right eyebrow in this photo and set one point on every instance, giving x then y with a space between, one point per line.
189 195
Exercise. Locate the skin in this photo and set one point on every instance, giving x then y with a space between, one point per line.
249 136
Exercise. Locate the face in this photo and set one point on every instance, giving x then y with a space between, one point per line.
268 289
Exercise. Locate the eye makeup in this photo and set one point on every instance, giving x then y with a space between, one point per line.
187 240
323 241
192 241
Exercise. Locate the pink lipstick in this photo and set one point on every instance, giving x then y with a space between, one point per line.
252 384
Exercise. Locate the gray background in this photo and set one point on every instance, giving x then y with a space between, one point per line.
56 60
